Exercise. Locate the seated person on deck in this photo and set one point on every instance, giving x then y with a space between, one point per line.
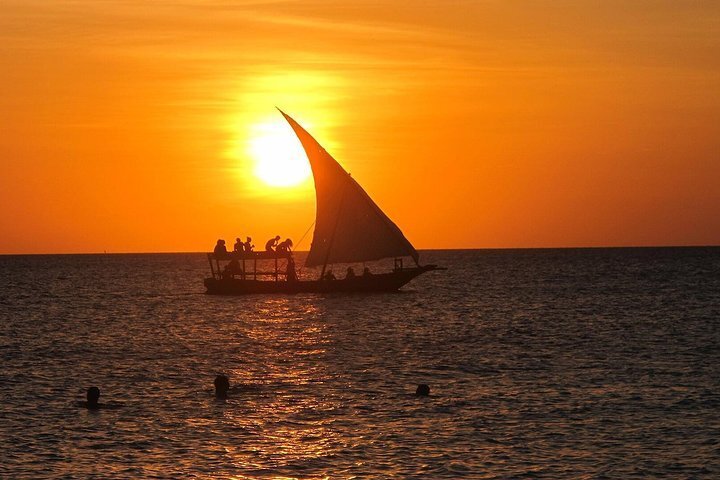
231 269
329 276
366 272
350 273
239 245
284 246
248 245
220 249
270 244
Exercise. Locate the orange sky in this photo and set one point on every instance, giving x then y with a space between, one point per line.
124 126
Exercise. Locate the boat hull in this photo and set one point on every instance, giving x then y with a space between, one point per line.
382 282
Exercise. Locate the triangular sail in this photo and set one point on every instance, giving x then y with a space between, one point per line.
349 226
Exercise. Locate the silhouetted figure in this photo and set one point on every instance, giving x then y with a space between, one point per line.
422 390
222 386
329 276
248 245
272 243
350 273
233 268
93 401
93 398
239 245
291 274
284 246
366 272
220 248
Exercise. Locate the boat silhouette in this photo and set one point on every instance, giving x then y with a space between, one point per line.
349 228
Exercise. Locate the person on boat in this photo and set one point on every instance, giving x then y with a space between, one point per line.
239 245
290 272
329 275
284 246
272 243
233 268
366 272
220 248
248 245
350 273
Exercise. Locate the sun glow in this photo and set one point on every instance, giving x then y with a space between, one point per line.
280 160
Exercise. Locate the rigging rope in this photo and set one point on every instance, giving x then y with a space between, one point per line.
301 239
304 235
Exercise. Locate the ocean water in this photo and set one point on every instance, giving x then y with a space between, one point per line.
590 363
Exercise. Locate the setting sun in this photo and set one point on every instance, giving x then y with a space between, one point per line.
279 158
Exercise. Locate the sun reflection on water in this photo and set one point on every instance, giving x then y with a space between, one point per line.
289 428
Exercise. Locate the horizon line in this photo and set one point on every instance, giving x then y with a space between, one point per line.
597 247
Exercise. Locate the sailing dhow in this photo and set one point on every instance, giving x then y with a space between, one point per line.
349 228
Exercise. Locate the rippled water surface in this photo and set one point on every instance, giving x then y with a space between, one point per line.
601 363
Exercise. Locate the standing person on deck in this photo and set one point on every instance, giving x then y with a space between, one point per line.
290 272
272 243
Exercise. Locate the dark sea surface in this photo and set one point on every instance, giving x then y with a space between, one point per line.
588 363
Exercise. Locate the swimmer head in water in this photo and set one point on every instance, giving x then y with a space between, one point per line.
93 398
222 385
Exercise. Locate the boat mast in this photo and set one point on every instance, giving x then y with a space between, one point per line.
332 237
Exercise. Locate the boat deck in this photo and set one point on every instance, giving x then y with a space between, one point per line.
379 282
259 255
